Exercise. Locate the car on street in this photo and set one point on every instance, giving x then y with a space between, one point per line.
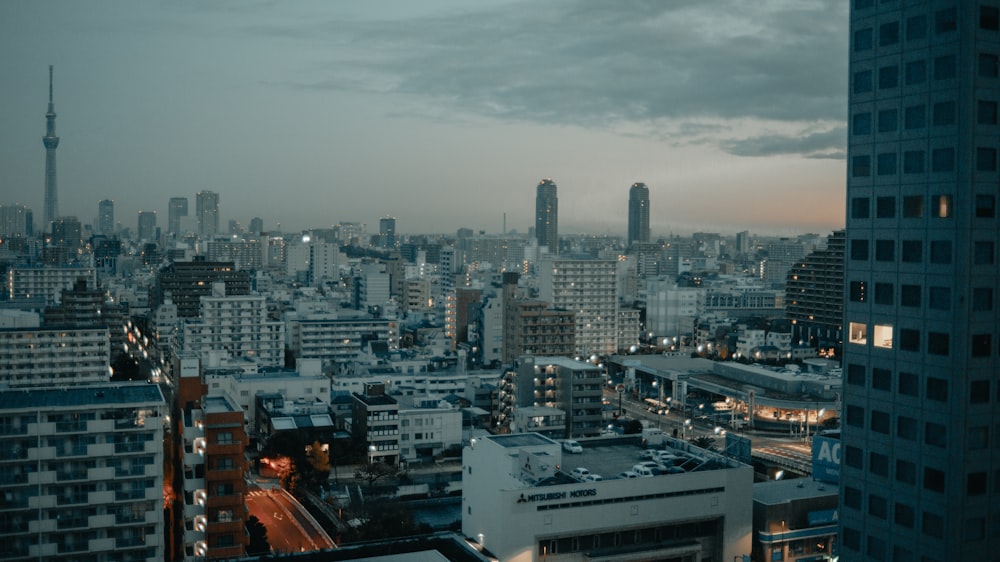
572 446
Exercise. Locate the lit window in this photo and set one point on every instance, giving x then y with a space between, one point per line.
882 336
859 333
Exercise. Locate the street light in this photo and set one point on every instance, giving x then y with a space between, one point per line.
687 424
621 390
371 454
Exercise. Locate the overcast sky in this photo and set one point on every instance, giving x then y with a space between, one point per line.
443 114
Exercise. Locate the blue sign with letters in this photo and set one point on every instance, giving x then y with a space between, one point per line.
826 459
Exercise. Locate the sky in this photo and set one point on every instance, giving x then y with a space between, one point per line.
441 113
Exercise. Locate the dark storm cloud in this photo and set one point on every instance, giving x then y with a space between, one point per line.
598 64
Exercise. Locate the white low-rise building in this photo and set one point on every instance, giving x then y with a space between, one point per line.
520 502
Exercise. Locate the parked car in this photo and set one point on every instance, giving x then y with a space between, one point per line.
572 446
592 477
648 454
579 473
626 474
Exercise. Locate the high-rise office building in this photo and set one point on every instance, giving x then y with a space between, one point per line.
638 213
547 216
920 468
51 141
106 217
387 232
207 208
147 225
178 207
15 220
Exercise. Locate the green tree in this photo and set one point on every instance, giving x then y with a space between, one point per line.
258 537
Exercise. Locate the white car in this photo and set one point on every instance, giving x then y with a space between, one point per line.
579 473
627 474
572 446
592 478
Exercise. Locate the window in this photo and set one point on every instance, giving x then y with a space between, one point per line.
985 206
989 18
859 332
908 384
916 72
851 538
878 464
945 20
986 159
940 251
883 293
933 523
938 343
982 252
888 77
881 379
863 39
986 113
853 457
862 123
885 250
888 120
913 206
943 160
912 251
859 208
942 206
939 298
909 339
862 81
944 67
916 27
852 497
856 374
982 299
888 33
855 416
979 437
915 117
987 65
859 250
885 207
943 114
857 291
861 166
877 506
935 434
882 336
937 389
906 428
886 164
979 391
903 515
981 347
909 295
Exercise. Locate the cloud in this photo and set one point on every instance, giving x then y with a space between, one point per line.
824 144
602 64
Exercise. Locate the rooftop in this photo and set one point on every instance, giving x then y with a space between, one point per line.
75 396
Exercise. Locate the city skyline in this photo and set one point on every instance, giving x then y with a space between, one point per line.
440 114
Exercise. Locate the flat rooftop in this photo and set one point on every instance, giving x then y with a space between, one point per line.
77 396
609 456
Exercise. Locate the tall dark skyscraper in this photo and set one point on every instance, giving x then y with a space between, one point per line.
207 207
51 141
178 207
106 217
638 213
920 459
547 216
387 232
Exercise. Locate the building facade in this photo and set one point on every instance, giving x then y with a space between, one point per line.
207 211
919 470
106 217
82 473
638 213
589 288
547 215
237 326
176 210
814 295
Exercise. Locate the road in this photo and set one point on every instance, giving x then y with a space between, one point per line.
290 528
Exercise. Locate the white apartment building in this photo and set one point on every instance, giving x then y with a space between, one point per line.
81 473
62 356
236 325
335 338
521 504
672 310
588 287
427 426
45 282
243 387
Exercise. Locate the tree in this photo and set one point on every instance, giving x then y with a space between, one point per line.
632 427
373 472
704 441
258 537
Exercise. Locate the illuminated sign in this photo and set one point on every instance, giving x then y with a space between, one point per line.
552 496
826 459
